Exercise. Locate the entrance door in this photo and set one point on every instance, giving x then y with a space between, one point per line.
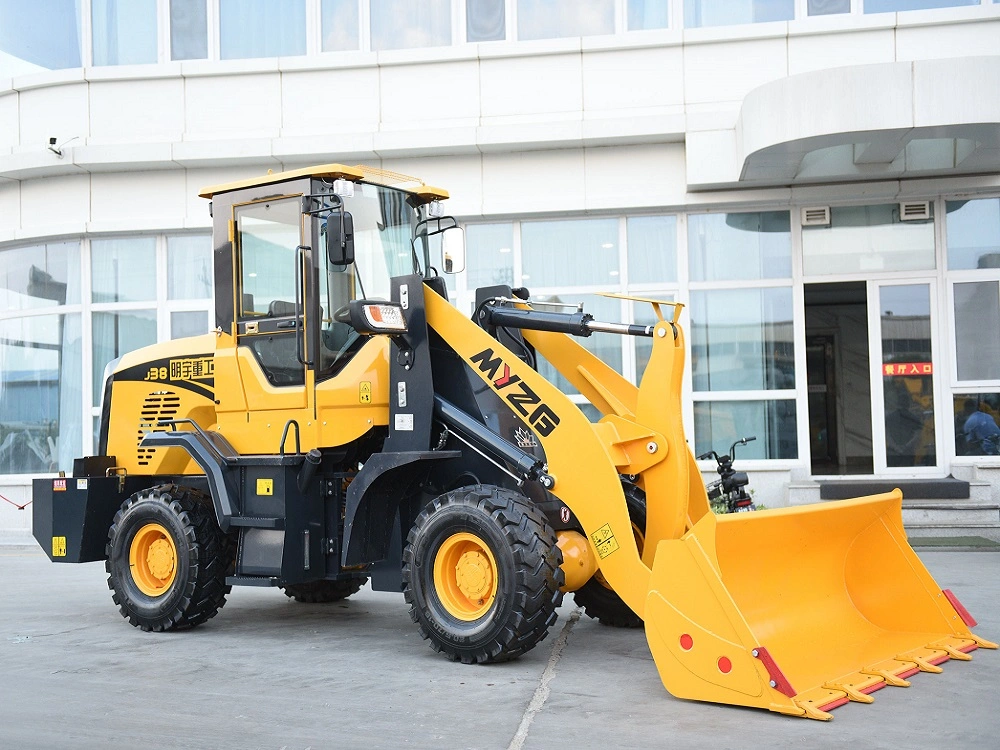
903 383
838 377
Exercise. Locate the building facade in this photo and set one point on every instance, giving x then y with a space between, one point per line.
818 181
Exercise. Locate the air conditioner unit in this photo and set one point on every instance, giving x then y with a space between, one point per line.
816 216
917 211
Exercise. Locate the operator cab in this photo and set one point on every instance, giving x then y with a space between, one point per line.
291 251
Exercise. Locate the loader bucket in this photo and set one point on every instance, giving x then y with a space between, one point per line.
799 610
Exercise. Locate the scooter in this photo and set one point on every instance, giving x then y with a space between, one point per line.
728 493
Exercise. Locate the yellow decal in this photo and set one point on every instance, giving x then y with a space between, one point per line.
59 546
604 540
265 486
365 392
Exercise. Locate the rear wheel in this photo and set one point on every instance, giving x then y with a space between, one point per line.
323 592
481 574
596 597
167 559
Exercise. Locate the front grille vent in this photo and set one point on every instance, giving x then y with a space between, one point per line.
158 406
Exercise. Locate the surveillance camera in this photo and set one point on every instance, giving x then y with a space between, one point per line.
52 141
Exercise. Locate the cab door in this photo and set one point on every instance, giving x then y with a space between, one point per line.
271 260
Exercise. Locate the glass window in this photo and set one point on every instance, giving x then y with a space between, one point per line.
40 398
489 257
648 14
37 36
115 334
549 19
189 267
484 20
40 276
733 247
973 234
864 239
188 323
268 235
977 330
729 12
828 7
124 32
718 424
607 346
652 249
261 28
741 339
123 270
404 24
570 253
891 6
907 375
340 25
977 416
188 30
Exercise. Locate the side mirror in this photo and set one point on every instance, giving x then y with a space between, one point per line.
340 239
453 250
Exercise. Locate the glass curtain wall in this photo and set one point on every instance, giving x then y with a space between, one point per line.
742 342
50 334
40 358
973 238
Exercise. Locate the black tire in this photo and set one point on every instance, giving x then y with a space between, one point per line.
525 568
595 596
195 588
324 592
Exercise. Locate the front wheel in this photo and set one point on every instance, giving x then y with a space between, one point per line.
481 574
167 559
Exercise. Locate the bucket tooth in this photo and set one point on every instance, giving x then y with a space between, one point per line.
889 672
921 662
857 686
818 702
954 650
982 642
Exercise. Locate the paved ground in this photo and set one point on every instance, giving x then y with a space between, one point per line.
270 673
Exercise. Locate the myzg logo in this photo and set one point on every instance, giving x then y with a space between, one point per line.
525 401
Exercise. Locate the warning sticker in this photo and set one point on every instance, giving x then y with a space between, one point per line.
265 486
604 540
59 546
365 392
81 484
58 485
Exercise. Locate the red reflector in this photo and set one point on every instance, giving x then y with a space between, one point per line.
962 611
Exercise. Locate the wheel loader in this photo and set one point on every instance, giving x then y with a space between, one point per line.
344 422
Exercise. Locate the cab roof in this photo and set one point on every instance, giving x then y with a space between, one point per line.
414 186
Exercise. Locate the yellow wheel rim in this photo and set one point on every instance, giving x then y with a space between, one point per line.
640 540
152 559
465 576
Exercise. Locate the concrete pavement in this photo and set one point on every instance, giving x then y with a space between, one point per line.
270 673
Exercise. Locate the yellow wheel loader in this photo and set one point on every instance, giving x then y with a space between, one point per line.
345 423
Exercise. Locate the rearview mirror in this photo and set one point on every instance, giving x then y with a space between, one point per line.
453 250
340 239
